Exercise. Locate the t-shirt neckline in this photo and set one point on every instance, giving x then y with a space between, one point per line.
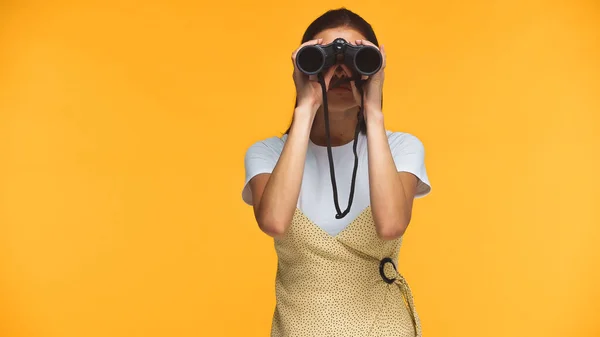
333 148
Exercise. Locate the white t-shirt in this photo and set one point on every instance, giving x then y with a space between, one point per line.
316 193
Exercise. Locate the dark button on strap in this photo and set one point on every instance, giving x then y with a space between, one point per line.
381 269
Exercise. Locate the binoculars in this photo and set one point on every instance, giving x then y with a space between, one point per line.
363 60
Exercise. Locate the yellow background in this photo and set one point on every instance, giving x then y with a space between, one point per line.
123 127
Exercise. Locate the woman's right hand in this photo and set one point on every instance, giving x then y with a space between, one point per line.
275 195
309 93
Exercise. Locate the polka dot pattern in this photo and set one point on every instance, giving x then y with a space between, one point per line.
331 285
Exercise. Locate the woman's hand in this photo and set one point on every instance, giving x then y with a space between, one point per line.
308 90
373 87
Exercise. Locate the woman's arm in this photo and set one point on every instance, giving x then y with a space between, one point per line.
392 192
275 195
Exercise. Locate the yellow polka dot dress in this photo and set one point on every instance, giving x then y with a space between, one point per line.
342 285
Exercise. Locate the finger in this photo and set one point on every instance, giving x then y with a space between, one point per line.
383 55
355 93
366 43
315 41
328 76
347 70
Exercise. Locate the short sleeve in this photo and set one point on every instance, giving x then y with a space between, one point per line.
261 157
409 156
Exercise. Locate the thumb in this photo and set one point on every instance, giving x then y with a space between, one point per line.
328 76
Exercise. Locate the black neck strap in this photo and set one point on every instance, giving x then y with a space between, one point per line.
358 82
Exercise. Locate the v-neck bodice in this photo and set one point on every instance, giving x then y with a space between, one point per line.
337 285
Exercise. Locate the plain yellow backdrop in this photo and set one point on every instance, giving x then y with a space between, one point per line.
123 128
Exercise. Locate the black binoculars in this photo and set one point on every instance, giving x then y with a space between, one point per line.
364 60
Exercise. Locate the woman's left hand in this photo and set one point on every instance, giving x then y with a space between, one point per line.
372 87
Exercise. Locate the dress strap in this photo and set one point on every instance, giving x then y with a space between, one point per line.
398 279
408 297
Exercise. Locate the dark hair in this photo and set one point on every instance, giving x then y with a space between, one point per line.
335 18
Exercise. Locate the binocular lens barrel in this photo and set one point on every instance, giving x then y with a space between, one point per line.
366 60
311 60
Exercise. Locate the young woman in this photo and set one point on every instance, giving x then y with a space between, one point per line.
336 194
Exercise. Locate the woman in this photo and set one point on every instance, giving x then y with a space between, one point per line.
336 271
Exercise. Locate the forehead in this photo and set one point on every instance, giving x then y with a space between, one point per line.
346 33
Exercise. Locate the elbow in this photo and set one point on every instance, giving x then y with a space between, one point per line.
392 231
273 231
272 226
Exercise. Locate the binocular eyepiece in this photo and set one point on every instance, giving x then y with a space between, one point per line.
363 60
